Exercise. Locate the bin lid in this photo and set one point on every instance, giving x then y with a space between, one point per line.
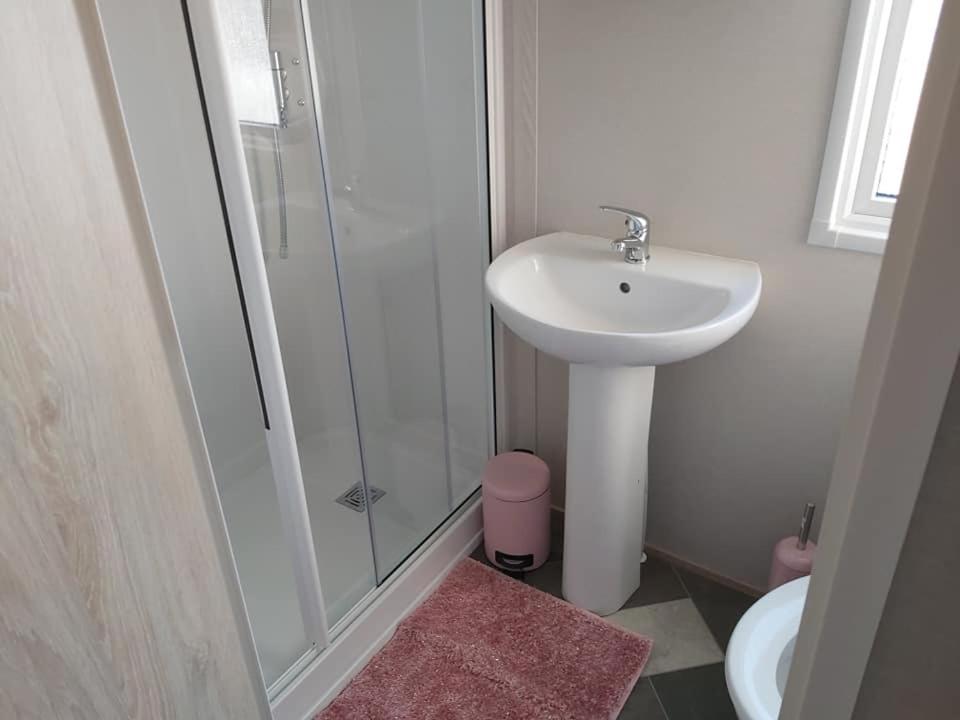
516 476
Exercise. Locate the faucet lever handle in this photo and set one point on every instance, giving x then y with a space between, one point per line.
637 223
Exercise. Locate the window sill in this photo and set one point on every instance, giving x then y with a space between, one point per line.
849 236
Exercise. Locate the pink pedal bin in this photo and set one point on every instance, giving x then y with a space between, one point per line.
516 511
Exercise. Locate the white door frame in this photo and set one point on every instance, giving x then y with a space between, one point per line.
909 355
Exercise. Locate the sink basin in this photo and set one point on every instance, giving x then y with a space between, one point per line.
573 297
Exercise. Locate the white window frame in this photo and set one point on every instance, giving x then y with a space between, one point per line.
846 214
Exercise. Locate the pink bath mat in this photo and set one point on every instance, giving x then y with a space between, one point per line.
483 646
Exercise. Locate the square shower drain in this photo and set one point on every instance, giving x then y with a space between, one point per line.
353 498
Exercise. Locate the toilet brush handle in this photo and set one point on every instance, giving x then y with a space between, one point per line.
805 522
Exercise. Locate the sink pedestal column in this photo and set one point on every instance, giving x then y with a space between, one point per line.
608 428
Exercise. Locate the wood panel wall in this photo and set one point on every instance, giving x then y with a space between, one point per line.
117 598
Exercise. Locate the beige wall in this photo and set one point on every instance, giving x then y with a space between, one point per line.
914 665
711 118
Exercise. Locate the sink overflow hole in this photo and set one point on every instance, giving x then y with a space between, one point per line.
624 287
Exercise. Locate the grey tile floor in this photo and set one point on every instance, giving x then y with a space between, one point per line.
690 620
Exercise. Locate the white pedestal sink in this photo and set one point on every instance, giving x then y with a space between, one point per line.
573 297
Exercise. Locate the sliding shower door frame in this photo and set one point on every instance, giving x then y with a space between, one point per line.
224 130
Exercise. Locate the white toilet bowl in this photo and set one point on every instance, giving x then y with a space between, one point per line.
761 649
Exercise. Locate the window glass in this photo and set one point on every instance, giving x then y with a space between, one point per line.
911 69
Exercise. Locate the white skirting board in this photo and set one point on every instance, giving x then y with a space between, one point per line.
320 682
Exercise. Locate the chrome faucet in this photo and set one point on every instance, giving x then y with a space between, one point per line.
635 246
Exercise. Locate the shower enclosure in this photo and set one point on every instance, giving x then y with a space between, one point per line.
362 128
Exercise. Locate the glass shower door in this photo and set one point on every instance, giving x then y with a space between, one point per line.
272 95
401 93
